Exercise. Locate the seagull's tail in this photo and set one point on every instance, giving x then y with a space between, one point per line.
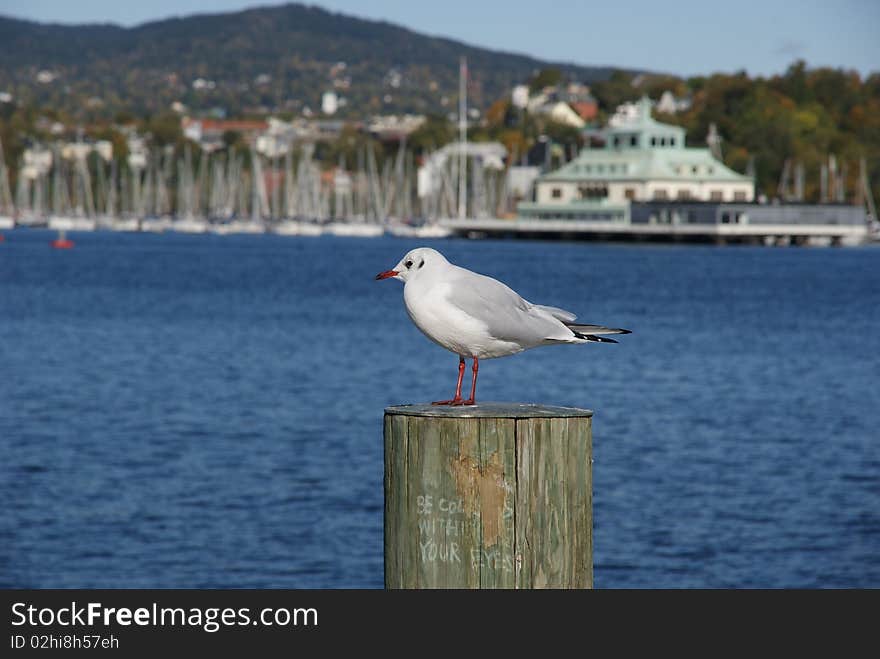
591 332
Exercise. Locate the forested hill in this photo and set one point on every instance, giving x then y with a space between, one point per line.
269 57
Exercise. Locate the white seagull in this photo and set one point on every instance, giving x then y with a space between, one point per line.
479 317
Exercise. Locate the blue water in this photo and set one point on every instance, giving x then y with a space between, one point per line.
201 411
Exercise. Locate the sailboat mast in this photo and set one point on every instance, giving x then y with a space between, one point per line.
6 202
462 138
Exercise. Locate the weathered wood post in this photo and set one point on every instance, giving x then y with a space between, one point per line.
498 495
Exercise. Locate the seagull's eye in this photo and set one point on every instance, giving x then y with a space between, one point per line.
422 263
408 264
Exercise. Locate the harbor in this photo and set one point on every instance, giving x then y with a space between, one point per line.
639 184
634 179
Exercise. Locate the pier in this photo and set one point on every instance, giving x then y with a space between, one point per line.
755 224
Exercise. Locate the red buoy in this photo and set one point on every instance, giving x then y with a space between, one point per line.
62 241
2 237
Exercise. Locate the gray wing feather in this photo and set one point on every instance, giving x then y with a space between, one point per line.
506 315
556 312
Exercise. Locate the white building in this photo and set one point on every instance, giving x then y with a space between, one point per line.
519 97
138 152
329 103
81 150
642 161
562 113
625 113
669 104
393 126
278 139
36 162
432 173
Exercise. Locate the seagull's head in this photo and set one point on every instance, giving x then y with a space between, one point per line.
415 263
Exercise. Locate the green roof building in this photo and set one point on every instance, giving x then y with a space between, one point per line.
643 160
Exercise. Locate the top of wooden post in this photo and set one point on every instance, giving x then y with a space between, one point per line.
489 410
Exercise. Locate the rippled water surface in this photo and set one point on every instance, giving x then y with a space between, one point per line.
202 411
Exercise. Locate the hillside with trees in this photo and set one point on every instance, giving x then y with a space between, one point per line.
270 59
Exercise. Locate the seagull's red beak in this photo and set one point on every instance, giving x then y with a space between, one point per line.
387 274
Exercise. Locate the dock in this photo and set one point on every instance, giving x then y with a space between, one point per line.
718 223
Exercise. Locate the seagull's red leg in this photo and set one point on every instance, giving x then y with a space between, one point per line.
457 400
472 399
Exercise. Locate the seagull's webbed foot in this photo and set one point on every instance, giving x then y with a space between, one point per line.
455 402
458 400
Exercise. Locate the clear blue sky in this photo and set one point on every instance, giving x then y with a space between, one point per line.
685 37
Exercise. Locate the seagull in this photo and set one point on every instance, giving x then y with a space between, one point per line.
478 317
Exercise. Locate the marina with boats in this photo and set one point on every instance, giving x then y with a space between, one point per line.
213 193
635 180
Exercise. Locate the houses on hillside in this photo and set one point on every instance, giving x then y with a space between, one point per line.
571 105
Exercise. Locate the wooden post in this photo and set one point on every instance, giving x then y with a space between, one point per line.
498 495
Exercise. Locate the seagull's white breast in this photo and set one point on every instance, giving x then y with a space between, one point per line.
428 306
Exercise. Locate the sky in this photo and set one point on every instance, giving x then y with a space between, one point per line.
682 37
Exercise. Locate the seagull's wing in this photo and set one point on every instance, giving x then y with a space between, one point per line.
506 315
556 312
